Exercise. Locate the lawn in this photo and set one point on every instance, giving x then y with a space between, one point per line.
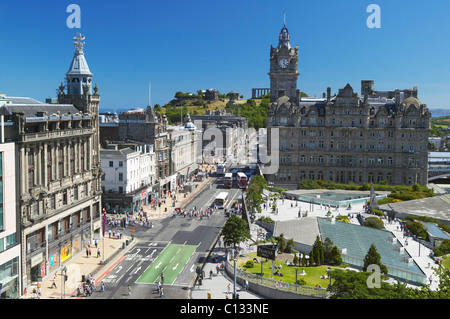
312 277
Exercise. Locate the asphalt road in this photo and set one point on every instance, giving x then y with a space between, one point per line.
175 246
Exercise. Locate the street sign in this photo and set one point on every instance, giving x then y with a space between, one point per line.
268 251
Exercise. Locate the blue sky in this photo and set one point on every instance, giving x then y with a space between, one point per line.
191 45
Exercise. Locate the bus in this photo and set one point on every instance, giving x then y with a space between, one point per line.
242 180
228 181
221 169
221 200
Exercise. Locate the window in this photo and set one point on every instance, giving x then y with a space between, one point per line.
120 163
120 177
111 164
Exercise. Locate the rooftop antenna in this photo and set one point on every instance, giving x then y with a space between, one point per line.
284 18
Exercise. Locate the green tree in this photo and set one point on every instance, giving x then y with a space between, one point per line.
318 251
327 250
374 258
336 257
235 231
281 243
289 246
253 197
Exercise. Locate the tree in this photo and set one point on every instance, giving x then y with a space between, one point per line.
289 246
281 243
318 251
235 231
374 258
254 198
327 250
336 257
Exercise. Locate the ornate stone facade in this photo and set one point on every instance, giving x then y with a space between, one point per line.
378 136
58 165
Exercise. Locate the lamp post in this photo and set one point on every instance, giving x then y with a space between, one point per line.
419 238
234 284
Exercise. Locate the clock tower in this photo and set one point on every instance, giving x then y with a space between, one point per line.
283 68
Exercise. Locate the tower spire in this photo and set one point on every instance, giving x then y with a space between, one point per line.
79 77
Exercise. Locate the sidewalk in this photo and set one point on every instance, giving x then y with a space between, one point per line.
82 265
288 210
217 285
167 208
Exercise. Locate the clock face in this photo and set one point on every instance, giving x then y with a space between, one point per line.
284 63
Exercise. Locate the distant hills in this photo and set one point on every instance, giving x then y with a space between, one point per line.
439 112
434 112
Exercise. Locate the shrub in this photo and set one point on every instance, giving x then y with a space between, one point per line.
374 222
443 248
342 218
249 264
417 228
301 282
377 212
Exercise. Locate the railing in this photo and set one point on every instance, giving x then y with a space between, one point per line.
52 134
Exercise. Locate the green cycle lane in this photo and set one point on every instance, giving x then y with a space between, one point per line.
170 262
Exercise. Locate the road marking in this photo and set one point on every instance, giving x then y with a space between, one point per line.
175 266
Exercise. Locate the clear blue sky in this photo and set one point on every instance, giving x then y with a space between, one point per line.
191 45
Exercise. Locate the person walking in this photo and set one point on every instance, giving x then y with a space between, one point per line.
129 290
98 252
54 282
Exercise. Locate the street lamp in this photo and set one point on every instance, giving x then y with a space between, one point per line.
419 238
234 284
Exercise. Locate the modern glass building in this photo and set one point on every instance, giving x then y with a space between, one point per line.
354 242
9 245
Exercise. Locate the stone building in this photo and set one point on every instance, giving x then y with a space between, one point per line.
184 155
347 137
147 127
128 177
58 171
222 135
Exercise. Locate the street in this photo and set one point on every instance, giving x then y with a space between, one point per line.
174 247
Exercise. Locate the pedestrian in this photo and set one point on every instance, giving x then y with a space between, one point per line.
228 288
162 278
98 252
87 252
129 290
54 282
210 274
161 293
